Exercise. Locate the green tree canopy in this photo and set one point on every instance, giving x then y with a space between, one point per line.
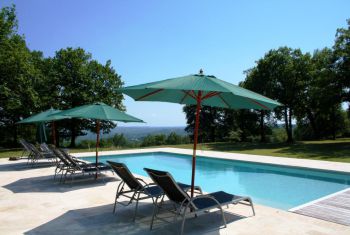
342 59
18 97
76 79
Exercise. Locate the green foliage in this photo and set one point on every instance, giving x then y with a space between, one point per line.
278 135
119 140
153 140
161 139
87 144
211 127
72 68
342 60
17 76
217 124
174 138
235 135
31 83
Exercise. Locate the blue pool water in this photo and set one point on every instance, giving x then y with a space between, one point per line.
270 185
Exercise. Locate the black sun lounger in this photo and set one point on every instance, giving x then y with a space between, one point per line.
70 165
186 205
137 188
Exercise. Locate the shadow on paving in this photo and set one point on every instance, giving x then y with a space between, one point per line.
100 220
47 184
23 166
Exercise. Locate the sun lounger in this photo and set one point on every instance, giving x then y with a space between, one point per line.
77 166
37 155
138 188
61 165
185 205
70 165
26 148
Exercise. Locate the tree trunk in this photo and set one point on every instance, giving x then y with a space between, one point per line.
333 123
262 127
73 134
286 125
290 134
311 118
15 137
289 127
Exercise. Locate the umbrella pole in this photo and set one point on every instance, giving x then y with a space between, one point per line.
53 133
97 142
196 126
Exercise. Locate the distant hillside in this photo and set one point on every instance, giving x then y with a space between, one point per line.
137 133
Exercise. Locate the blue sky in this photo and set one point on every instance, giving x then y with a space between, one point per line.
154 40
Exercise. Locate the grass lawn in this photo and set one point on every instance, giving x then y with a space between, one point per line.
329 150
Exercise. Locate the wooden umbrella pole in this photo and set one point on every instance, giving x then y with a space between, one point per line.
97 142
198 109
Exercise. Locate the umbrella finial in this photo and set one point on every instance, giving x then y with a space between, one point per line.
201 72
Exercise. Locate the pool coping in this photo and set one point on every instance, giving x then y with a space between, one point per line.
280 161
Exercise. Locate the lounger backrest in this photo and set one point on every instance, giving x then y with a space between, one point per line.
35 150
45 148
25 144
164 180
69 158
60 156
124 173
28 146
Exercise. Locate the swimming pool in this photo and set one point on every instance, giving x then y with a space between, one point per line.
271 185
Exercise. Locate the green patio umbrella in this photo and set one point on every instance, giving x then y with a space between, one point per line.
50 115
199 89
99 111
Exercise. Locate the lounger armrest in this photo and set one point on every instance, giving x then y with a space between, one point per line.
78 160
145 184
142 181
83 164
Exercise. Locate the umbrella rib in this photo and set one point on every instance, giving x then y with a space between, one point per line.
149 94
184 97
223 100
211 94
194 96
261 105
187 93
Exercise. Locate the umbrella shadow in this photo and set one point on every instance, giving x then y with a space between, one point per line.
47 184
23 166
100 220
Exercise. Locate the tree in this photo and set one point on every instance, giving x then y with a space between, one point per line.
257 80
241 125
119 140
18 98
286 69
210 123
76 80
342 60
319 105
173 139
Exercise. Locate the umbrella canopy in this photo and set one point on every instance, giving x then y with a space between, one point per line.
199 89
46 116
214 92
99 111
